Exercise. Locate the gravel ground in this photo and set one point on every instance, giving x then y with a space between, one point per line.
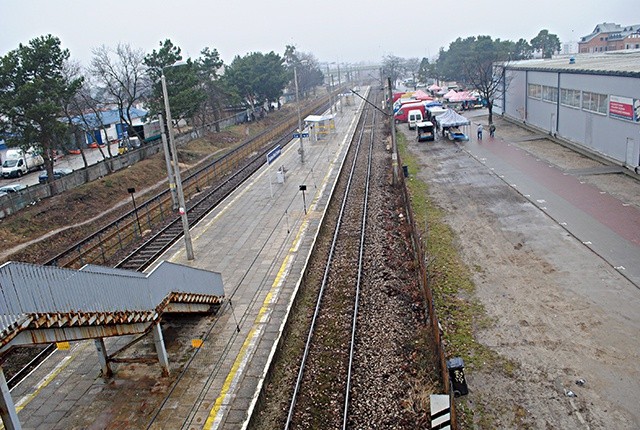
393 371
558 311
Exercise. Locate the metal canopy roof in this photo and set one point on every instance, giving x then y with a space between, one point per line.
619 63
36 297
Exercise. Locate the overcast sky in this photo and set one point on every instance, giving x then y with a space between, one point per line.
345 31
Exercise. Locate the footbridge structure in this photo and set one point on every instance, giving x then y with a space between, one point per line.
46 304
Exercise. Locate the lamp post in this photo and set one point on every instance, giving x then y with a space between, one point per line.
176 169
303 188
295 78
135 209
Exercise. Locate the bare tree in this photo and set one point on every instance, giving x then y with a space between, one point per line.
72 70
90 114
121 77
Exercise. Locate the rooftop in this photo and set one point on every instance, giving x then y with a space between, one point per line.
620 63
609 27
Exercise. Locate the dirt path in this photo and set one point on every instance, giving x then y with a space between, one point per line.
557 311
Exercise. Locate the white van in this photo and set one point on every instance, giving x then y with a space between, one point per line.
414 117
18 163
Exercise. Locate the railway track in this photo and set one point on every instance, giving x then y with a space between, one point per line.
121 244
353 246
140 235
330 345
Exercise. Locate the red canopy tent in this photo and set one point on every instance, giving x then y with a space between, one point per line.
449 94
421 95
462 96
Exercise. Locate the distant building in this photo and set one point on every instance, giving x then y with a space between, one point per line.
590 100
610 37
569 48
93 124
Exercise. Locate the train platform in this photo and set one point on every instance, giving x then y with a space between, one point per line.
260 239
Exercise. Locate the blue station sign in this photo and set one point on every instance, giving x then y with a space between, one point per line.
273 154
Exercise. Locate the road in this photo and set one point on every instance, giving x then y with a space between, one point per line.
71 161
550 239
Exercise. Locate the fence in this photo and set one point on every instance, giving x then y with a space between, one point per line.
420 256
13 202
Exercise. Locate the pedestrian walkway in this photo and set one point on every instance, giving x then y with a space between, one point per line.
610 227
260 239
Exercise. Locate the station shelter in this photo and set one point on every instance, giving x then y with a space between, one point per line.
320 126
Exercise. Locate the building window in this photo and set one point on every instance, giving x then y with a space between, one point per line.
534 91
570 97
549 94
594 102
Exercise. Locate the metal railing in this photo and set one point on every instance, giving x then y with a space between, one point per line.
30 291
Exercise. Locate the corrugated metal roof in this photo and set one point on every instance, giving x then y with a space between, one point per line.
29 292
107 117
620 63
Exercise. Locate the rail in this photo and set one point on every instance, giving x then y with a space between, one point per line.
326 279
109 245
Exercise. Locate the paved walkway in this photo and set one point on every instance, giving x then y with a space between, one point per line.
259 239
608 226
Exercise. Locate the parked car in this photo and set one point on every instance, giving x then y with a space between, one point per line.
12 188
57 174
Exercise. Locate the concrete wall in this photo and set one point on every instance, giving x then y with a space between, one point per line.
14 202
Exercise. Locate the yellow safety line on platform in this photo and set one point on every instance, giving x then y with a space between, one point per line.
217 411
44 382
250 342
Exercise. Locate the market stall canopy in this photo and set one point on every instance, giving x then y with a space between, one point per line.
449 94
433 87
452 118
421 95
462 96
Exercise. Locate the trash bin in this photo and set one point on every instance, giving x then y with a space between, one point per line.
280 176
456 375
405 170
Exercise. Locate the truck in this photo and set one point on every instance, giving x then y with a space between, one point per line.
17 162
402 115
148 132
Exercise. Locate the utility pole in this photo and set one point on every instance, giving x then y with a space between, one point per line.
167 159
176 170
394 150
301 150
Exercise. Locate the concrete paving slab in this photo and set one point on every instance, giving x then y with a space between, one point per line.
259 239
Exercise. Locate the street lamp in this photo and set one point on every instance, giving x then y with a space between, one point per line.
176 170
295 78
303 188
135 209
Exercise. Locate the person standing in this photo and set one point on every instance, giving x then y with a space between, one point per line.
479 131
492 130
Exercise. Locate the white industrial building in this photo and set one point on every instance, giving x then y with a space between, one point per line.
590 100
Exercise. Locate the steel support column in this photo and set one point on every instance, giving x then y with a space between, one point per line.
160 349
103 358
7 407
